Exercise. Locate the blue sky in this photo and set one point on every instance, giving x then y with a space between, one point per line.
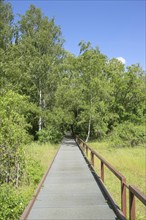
116 27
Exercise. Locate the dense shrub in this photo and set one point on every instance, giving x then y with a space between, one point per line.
128 135
13 135
33 172
50 134
14 200
12 203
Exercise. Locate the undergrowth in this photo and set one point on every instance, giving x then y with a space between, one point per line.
14 200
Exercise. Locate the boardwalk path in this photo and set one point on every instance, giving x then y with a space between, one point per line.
70 191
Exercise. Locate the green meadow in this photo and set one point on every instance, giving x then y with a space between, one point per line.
130 162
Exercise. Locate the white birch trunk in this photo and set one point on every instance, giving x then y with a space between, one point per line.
44 103
89 129
40 118
89 124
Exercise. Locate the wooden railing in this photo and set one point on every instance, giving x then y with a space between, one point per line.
133 191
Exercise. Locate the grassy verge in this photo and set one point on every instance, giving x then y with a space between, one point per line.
43 153
128 161
38 160
14 200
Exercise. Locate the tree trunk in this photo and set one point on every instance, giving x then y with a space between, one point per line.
89 124
17 174
40 118
8 169
44 103
89 129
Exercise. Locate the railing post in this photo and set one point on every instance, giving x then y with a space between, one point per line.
131 206
102 171
86 150
83 147
123 196
92 158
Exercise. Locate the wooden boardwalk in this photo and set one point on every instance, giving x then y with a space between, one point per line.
70 191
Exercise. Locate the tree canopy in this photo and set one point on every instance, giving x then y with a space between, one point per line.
46 90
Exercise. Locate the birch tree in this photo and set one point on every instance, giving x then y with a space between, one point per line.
36 59
6 27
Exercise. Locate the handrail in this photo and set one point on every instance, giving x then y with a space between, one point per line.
112 169
138 194
133 191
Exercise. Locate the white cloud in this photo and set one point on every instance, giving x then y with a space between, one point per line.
121 59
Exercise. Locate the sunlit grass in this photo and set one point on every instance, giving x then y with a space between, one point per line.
130 162
44 153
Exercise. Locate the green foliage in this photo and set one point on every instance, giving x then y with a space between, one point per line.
14 200
13 135
43 87
98 94
12 203
33 172
128 135
6 28
89 93
129 92
54 127
31 65
50 135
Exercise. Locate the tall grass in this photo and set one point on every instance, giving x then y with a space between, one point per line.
38 159
128 161
43 153
14 200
